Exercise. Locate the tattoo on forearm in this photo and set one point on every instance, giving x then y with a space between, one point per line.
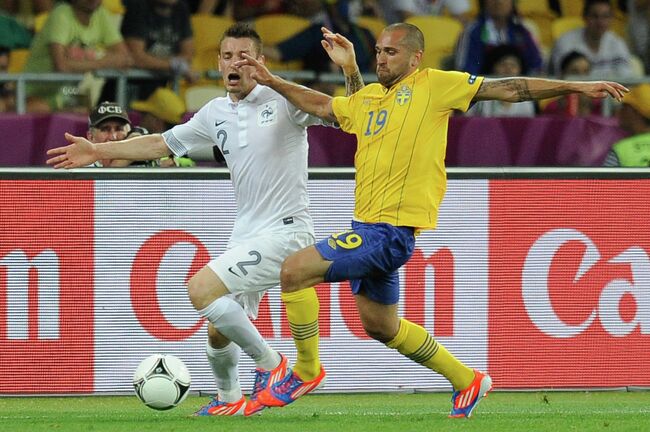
518 86
353 83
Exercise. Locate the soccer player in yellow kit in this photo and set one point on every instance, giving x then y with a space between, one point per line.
401 129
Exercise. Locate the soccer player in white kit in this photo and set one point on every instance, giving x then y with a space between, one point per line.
263 139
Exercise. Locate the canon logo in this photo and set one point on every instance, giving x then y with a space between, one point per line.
537 298
17 268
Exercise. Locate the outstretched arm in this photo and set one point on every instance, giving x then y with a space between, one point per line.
305 99
81 152
522 89
341 51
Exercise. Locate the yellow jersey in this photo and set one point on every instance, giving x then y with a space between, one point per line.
401 144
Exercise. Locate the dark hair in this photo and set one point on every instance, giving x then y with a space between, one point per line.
569 58
481 8
590 3
414 39
496 54
242 30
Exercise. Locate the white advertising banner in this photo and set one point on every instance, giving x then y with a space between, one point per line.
150 236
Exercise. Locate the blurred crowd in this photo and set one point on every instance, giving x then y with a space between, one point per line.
177 40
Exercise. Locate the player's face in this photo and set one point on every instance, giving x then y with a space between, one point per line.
598 19
108 130
394 59
237 80
579 66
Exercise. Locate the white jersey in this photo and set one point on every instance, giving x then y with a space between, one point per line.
264 141
613 58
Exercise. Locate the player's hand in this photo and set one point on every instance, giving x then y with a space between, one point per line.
339 48
79 153
602 89
260 72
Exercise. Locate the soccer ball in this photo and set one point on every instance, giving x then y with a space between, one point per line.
161 381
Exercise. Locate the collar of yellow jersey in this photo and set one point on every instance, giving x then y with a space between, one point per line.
388 90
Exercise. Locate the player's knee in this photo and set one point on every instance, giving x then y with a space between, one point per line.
198 292
378 329
378 334
215 339
290 274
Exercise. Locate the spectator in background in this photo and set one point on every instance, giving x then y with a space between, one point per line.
246 10
15 7
163 110
399 10
503 61
306 45
607 52
13 34
78 36
159 36
634 118
7 90
497 24
26 10
573 65
108 121
638 29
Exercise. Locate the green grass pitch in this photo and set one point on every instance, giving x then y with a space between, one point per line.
501 411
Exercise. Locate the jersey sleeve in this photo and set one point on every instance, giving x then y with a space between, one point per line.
343 108
302 118
192 135
457 88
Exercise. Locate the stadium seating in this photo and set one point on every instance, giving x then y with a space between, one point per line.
542 16
275 28
17 59
114 6
440 36
572 7
374 24
207 31
198 95
564 24
39 21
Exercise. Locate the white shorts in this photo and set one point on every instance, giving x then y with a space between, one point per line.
250 268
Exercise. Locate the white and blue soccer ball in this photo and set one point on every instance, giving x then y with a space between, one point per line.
161 381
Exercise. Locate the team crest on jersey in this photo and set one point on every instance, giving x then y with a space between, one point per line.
403 95
267 114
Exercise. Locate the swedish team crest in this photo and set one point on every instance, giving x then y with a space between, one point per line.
403 95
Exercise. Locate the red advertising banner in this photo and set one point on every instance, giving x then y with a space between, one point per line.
46 286
569 283
543 283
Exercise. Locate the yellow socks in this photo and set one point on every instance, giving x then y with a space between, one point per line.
416 343
302 313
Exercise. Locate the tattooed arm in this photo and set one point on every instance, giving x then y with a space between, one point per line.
341 51
522 89
353 81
